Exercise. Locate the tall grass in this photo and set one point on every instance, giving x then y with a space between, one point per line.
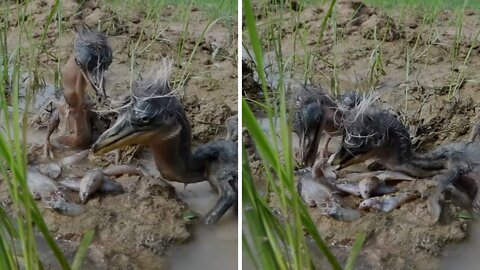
18 227
274 242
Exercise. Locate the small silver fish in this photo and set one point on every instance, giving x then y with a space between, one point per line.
75 159
341 213
67 208
90 184
322 195
394 176
387 203
40 185
110 187
348 187
70 183
367 186
118 170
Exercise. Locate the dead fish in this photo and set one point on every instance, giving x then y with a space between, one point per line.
119 170
318 194
51 170
348 187
70 183
90 184
387 203
341 213
111 187
367 186
393 176
77 158
311 191
384 189
67 208
40 185
381 175
322 169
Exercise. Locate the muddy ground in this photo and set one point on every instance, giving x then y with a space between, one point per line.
404 238
138 229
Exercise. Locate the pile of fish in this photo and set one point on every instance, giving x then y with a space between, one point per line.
326 193
45 183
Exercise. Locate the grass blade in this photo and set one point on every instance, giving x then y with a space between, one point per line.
82 249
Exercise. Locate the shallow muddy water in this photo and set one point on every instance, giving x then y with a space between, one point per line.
465 256
211 247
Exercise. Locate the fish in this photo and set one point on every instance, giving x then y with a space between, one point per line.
70 183
367 187
75 159
118 170
39 184
90 184
321 195
348 187
387 203
111 187
67 208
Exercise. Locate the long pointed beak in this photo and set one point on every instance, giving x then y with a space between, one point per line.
97 81
309 142
122 133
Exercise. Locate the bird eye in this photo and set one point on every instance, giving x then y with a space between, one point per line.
144 120
77 62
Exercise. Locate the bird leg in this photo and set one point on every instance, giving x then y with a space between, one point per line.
433 202
226 199
52 126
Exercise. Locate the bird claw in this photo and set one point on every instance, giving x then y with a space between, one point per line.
434 207
48 151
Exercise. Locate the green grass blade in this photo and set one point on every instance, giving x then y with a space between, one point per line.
356 247
82 249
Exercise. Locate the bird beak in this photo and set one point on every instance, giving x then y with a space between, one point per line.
122 133
97 81
309 142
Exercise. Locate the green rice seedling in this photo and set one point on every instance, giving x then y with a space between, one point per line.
376 69
461 77
457 81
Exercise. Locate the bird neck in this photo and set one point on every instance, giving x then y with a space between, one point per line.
174 158
74 84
